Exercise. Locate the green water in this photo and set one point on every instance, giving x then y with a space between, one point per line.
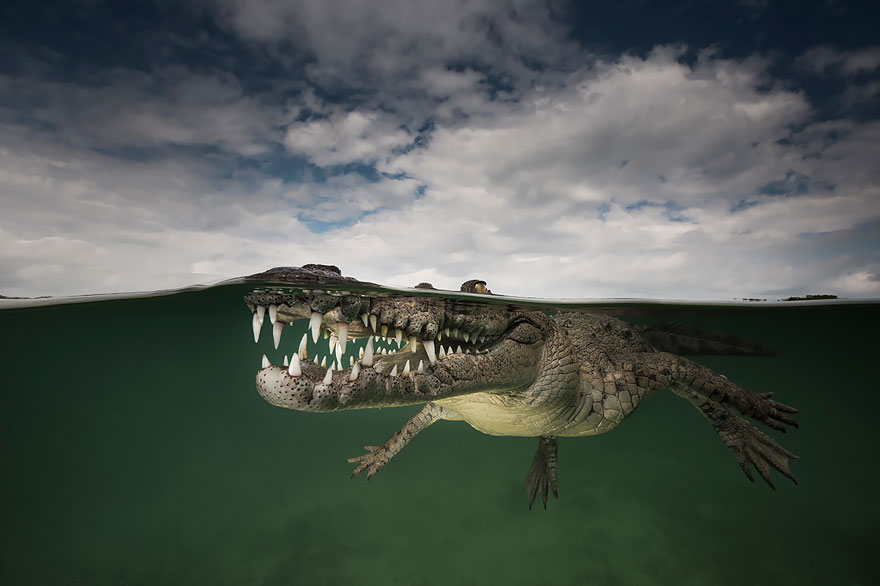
134 449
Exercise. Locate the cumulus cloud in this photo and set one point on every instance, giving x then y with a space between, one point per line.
348 137
632 129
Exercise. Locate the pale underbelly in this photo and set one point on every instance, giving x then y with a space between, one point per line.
500 415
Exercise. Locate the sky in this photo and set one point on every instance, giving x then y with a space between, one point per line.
675 150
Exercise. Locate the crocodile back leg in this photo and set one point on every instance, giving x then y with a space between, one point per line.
722 402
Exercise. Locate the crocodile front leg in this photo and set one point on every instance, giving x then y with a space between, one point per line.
542 472
377 456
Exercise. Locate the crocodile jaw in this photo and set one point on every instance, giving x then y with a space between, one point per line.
445 354
507 365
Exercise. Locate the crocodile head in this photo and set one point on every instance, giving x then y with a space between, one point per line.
448 346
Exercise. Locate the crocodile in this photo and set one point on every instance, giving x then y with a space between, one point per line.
506 370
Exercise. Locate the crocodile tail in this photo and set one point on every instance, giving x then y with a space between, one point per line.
685 340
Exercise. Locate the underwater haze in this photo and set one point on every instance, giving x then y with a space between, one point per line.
134 449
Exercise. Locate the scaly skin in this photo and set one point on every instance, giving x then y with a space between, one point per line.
529 374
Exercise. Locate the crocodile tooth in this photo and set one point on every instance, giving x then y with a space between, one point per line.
342 326
413 344
360 352
439 335
261 312
365 317
456 333
355 371
350 361
383 330
326 334
394 371
467 337
378 368
467 350
256 324
316 360
446 332
266 361
303 347
295 369
277 327
307 291
405 369
315 325
373 322
421 367
323 361
398 336
328 378
442 352
273 313
458 350
286 361
333 340
429 349
338 351
368 353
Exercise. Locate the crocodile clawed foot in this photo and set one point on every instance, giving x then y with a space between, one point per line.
542 472
373 461
752 448
776 415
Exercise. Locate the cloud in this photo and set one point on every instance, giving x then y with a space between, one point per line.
359 49
825 60
172 106
418 143
629 130
347 137
628 177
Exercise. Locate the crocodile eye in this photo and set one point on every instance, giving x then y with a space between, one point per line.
475 286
